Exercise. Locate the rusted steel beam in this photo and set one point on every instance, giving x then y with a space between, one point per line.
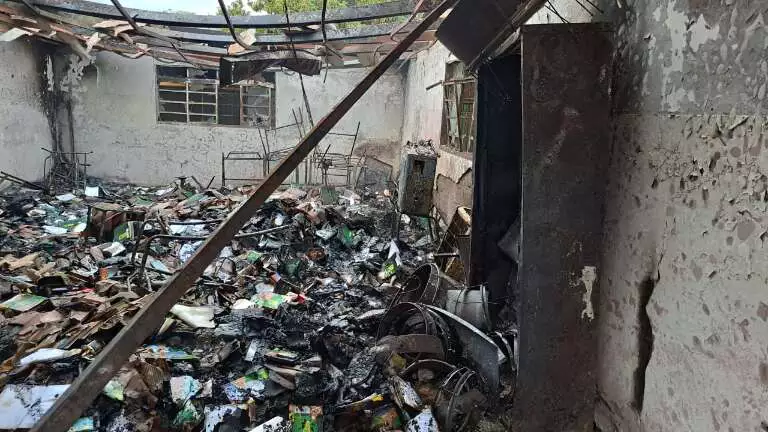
91 382
361 13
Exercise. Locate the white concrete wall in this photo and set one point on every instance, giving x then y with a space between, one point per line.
116 118
23 123
423 120
424 108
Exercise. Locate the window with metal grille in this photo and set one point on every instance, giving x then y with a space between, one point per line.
189 95
459 90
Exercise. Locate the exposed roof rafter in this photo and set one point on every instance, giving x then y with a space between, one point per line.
224 39
302 19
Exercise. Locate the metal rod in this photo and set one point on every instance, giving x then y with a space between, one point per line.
354 141
549 6
298 127
595 6
349 158
301 77
223 171
322 22
90 383
246 46
21 181
585 8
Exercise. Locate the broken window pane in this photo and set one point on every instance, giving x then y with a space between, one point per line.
229 106
258 106
172 107
171 72
210 74
167 117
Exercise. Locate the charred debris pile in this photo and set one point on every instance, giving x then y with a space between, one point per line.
328 312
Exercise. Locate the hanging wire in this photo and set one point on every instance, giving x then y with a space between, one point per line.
549 6
592 14
595 6
325 39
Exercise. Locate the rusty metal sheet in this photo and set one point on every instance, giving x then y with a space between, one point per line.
566 141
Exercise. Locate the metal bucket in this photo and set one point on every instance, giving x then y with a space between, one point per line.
426 285
470 305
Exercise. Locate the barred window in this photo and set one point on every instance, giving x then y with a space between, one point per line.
189 95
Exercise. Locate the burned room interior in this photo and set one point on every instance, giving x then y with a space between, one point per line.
383 215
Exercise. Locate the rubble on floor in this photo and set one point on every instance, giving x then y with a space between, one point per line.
315 318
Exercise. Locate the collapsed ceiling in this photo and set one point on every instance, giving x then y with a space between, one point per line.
303 42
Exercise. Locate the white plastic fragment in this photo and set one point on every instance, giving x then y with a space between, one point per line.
21 406
270 426
48 354
424 422
195 316
54 230
92 191
183 388
67 197
214 415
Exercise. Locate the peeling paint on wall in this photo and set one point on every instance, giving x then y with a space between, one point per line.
587 280
49 75
452 166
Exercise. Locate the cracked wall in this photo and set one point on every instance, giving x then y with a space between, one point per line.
116 118
24 126
683 311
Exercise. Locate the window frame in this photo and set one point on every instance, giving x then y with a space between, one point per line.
189 113
455 113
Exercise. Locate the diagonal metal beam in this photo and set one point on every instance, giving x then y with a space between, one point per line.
91 381
361 13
